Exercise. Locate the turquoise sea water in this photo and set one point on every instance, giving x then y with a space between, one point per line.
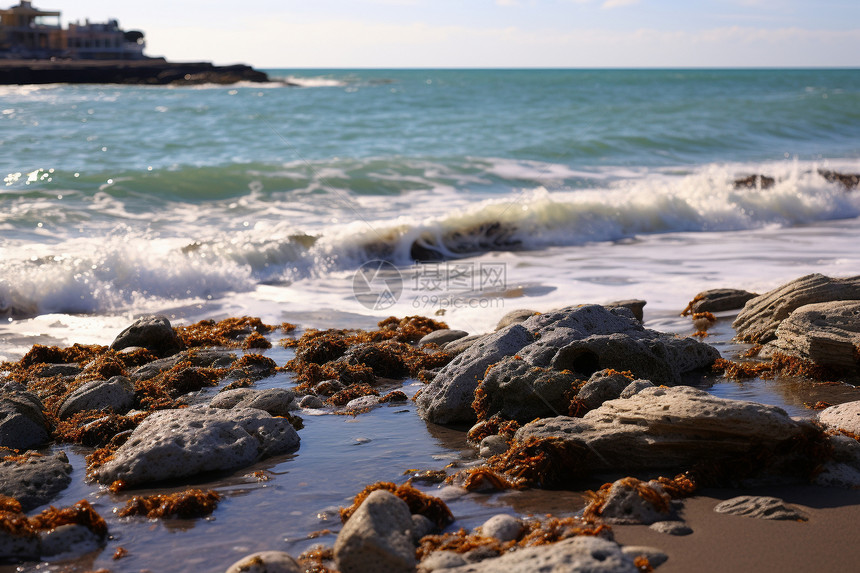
515 189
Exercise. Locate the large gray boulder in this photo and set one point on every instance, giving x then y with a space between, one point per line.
151 332
377 537
516 390
605 385
116 395
581 339
178 443
36 480
666 428
761 316
197 357
826 334
275 401
22 421
583 554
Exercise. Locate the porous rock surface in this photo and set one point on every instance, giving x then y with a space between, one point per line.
581 339
377 537
517 390
183 442
151 332
666 428
584 554
22 421
761 316
624 505
718 300
266 562
827 334
842 417
116 395
275 401
36 480
760 507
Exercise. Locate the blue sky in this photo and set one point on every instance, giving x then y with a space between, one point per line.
490 33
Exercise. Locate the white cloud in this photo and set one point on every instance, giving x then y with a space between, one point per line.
507 3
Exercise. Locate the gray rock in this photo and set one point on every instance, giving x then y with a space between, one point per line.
838 474
22 422
654 556
515 317
581 339
623 505
448 399
266 562
201 358
68 540
421 526
602 386
151 332
718 300
492 445
842 417
362 402
378 537
443 336
666 428
179 443
517 390
678 528
116 395
35 481
49 370
441 560
275 401
312 402
503 527
13 547
760 507
634 305
459 346
827 334
761 316
635 387
584 554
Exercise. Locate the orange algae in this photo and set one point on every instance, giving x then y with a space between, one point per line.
313 560
186 505
119 553
419 502
256 340
343 397
229 332
778 365
642 564
493 425
542 462
14 522
394 396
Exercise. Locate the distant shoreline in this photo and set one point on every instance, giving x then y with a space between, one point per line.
153 71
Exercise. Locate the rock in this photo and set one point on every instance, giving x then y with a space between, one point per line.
68 539
48 370
378 537
456 347
362 403
442 336
826 334
666 428
625 505
421 526
201 358
439 560
22 422
151 332
36 480
14 547
847 180
602 386
116 395
635 387
583 554
842 417
636 306
503 527
266 562
492 445
179 443
755 182
760 507
678 528
761 316
515 317
581 339
275 401
718 300
654 556
517 390
312 402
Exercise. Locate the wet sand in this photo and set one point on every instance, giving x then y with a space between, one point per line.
720 543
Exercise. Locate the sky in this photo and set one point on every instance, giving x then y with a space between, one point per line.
489 33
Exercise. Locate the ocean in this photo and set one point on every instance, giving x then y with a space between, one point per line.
349 196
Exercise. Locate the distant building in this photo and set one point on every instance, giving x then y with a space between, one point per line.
29 33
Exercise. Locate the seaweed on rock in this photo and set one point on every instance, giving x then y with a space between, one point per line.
186 505
419 503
